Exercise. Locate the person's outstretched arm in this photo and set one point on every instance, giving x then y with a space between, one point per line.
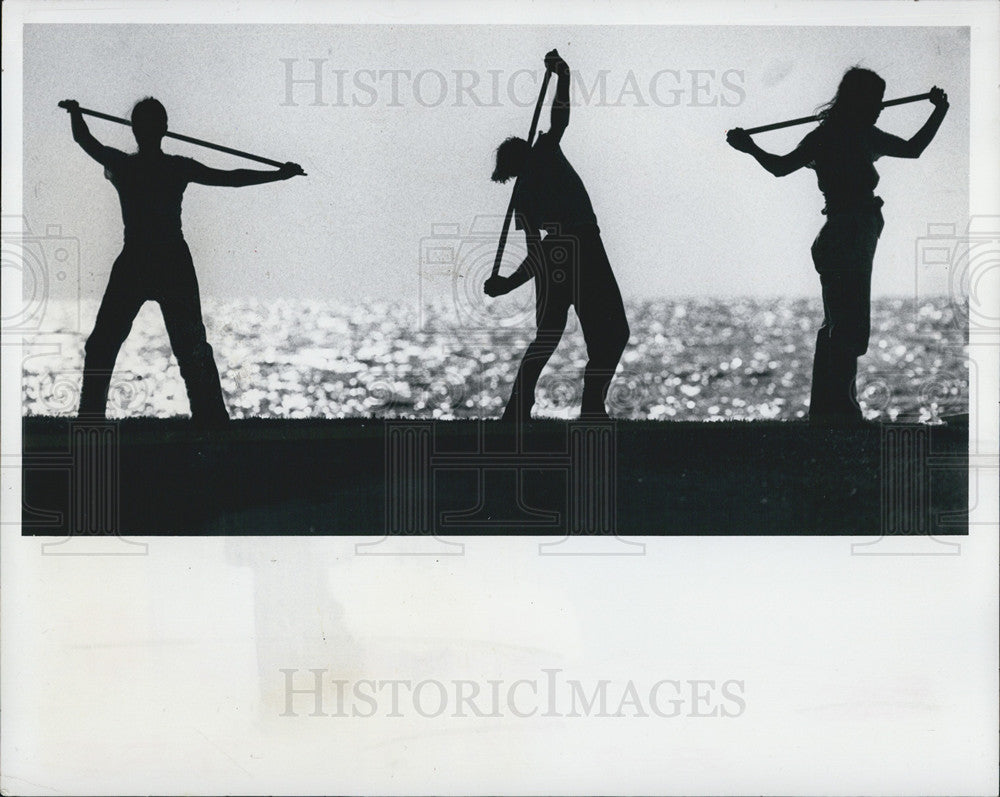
237 178
896 147
778 165
559 119
498 286
83 136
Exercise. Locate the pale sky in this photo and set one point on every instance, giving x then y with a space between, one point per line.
681 212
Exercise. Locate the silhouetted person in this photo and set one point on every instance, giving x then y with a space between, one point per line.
569 265
155 263
842 150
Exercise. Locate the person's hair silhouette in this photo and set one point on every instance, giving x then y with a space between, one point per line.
155 263
858 101
511 155
842 150
569 264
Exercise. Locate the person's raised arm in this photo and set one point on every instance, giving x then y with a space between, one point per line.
778 165
498 286
559 118
82 134
896 147
237 178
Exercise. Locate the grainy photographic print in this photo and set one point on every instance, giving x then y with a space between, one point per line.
521 399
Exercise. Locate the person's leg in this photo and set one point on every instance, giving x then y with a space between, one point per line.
551 311
601 312
181 307
831 391
824 259
122 300
849 340
843 253
821 391
843 366
863 315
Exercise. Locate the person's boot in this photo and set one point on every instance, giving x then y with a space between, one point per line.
210 420
595 388
516 411
94 397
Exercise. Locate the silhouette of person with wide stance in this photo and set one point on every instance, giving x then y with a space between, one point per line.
569 265
842 150
155 263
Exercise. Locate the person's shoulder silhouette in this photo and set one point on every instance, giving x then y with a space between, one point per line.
151 187
158 167
112 160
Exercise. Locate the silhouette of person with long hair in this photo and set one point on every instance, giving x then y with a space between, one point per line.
155 263
569 265
842 150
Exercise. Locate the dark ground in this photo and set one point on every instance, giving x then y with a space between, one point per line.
151 476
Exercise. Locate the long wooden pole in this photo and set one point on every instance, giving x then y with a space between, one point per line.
807 119
510 205
188 139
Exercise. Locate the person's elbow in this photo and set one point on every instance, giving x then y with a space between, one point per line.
782 167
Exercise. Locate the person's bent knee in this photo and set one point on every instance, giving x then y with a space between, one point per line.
101 343
620 339
853 341
202 350
195 355
545 342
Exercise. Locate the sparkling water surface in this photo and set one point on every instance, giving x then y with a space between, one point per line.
690 359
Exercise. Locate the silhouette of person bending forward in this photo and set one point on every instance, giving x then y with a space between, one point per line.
155 263
569 265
